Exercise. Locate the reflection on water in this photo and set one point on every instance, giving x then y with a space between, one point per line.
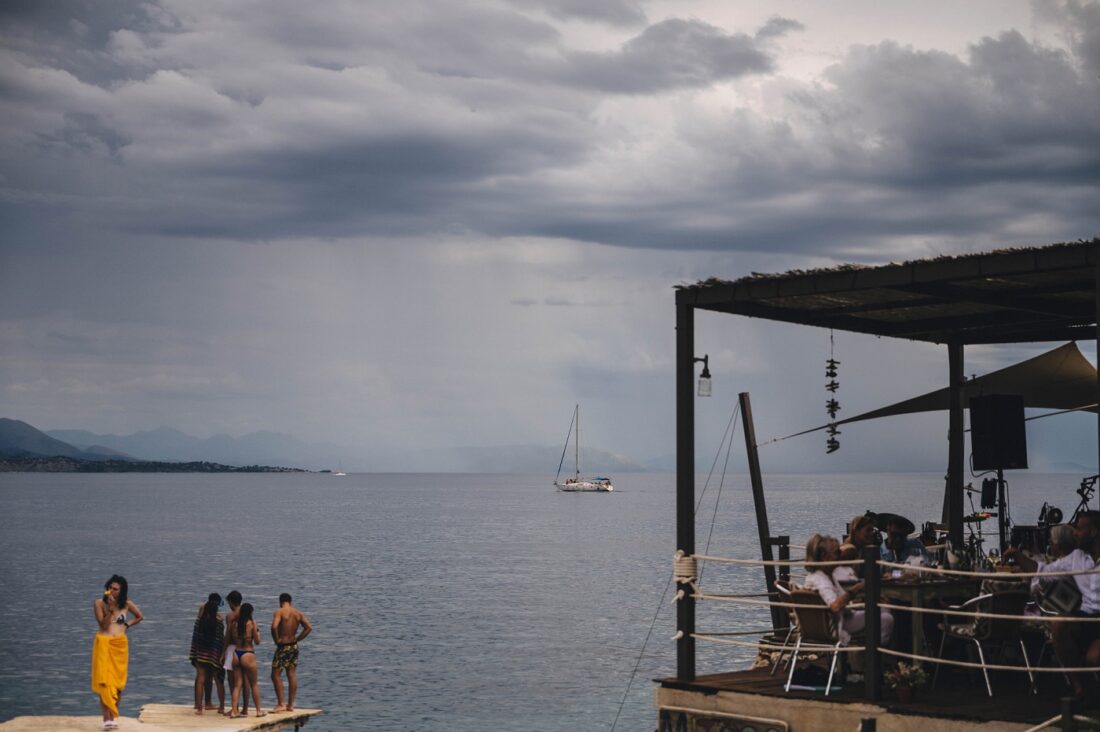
456 602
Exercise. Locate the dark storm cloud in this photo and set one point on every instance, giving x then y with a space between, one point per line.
672 54
75 35
222 121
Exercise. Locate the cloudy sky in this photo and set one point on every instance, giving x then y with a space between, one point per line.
436 224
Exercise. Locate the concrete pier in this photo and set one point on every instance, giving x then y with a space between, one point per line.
164 718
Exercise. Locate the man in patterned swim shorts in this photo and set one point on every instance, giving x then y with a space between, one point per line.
285 627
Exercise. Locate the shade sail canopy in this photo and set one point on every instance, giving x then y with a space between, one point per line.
1029 294
1058 379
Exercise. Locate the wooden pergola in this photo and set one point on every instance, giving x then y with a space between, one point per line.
1022 295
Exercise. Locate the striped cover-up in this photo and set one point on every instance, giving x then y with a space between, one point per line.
206 647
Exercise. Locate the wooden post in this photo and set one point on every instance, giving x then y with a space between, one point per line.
956 445
685 482
758 502
784 544
1069 724
872 676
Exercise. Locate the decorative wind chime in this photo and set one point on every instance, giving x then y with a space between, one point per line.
832 406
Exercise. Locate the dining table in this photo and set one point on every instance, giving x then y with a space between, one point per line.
925 591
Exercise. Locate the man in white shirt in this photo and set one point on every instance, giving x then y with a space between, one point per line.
1076 644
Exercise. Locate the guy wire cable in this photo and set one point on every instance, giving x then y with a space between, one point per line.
661 602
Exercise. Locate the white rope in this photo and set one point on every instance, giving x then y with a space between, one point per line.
1076 717
1001 576
777 562
1047 724
768 603
808 647
997 616
1044 725
684 568
990 666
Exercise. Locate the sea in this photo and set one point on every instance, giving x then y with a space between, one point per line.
439 602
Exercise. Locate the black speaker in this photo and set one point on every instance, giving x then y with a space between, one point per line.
997 436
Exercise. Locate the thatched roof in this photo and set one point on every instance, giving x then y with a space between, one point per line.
1025 294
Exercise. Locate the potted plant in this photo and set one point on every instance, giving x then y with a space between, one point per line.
905 678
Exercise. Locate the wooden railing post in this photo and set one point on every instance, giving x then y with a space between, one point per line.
872 676
784 544
1068 722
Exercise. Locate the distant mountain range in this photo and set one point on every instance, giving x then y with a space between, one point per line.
166 444
19 439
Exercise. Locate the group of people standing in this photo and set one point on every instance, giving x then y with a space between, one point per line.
220 647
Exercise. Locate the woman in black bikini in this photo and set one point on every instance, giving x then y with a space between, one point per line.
246 637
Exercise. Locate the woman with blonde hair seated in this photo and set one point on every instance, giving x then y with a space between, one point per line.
824 548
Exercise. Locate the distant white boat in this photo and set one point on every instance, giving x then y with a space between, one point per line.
577 484
339 472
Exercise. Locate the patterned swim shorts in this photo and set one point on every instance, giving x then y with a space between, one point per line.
286 656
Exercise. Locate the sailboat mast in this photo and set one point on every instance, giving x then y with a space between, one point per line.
577 446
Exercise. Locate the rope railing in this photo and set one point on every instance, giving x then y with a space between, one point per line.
1007 576
752 599
767 603
989 666
1048 724
776 562
993 616
808 647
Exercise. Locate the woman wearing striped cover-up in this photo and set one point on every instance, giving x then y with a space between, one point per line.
207 646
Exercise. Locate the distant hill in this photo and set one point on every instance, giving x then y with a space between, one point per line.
19 439
167 444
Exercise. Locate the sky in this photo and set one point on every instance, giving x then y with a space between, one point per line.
441 224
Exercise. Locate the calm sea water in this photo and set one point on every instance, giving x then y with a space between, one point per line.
457 602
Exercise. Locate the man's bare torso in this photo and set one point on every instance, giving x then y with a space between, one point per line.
287 621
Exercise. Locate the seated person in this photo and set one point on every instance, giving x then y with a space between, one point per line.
827 549
898 547
861 533
1062 541
1077 644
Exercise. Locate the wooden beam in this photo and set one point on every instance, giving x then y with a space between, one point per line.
685 482
1015 300
758 502
956 444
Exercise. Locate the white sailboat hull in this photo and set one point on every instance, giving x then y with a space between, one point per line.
582 486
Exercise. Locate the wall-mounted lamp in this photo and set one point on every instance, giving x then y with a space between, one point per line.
704 378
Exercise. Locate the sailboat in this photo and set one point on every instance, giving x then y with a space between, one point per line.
576 484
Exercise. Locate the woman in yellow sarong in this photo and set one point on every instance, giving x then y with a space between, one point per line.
110 653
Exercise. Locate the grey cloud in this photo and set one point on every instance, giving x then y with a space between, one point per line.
406 130
74 35
777 26
672 54
1079 23
612 12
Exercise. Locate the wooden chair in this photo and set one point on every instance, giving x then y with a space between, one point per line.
816 631
989 631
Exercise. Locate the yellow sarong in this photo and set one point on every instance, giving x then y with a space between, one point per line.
110 659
